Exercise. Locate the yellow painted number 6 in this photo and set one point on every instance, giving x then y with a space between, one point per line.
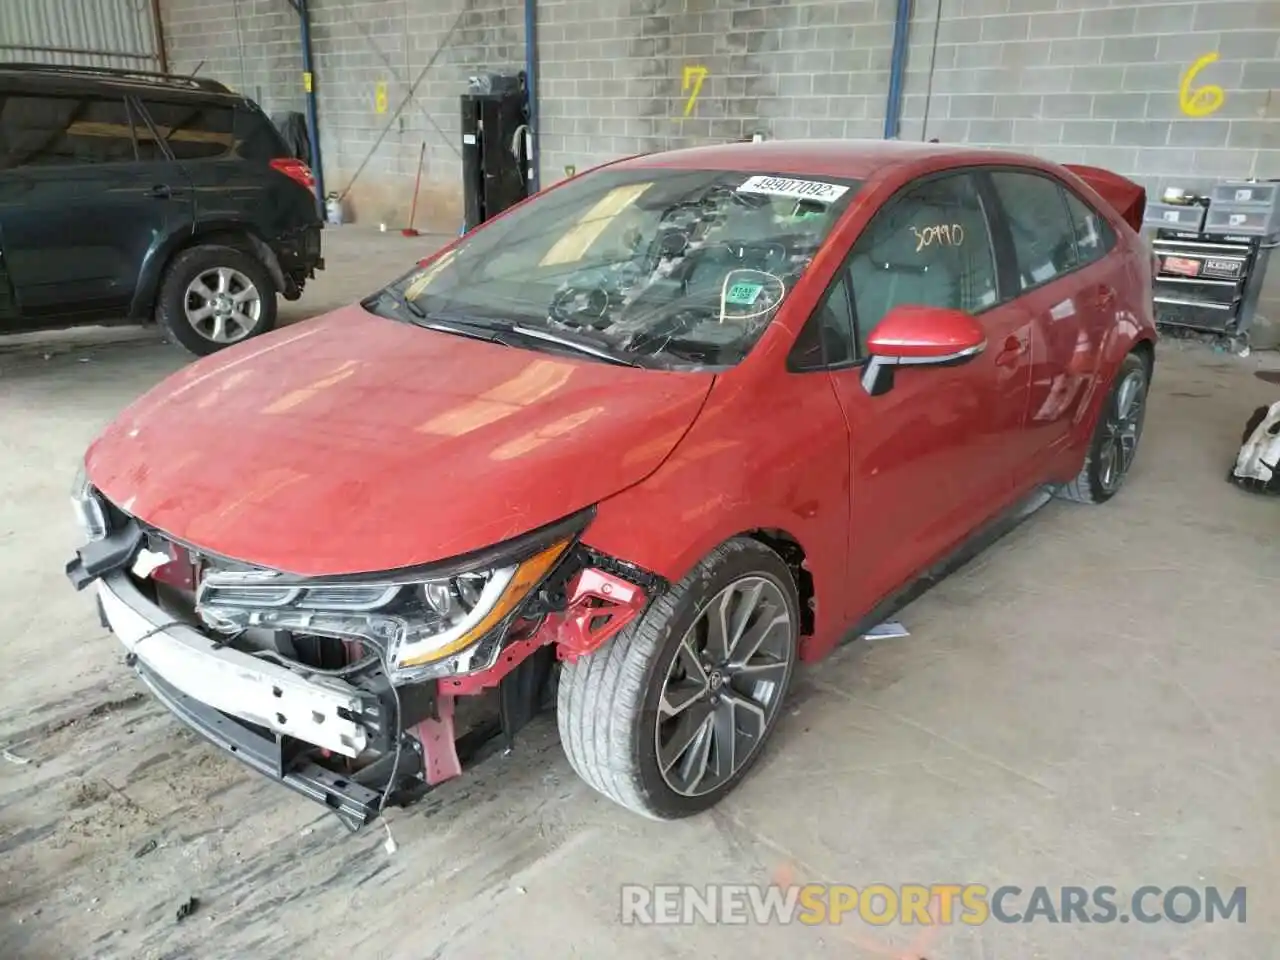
1201 101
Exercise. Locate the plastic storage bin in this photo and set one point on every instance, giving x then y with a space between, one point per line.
1174 216
1237 192
1247 209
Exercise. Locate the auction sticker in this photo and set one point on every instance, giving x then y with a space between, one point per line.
744 293
797 189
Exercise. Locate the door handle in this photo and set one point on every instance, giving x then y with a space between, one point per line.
1013 348
1106 297
160 191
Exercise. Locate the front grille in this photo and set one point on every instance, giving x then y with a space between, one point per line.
323 652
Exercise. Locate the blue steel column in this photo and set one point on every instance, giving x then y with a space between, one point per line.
897 70
531 85
313 130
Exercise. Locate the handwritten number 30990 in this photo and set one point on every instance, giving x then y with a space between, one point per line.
944 234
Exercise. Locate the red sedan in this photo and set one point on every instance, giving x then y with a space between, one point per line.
636 447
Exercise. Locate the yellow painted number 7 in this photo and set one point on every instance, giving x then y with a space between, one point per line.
1201 101
692 76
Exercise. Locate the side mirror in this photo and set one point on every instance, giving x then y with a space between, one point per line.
915 336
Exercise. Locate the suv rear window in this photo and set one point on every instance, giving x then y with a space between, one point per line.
200 131
256 137
193 130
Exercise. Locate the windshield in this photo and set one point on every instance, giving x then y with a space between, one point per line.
657 267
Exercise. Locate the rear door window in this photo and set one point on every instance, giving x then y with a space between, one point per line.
59 131
1044 237
191 129
1094 236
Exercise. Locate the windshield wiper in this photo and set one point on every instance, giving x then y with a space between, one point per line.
399 299
498 330
598 352
461 330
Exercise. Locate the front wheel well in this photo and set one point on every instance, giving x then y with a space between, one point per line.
788 548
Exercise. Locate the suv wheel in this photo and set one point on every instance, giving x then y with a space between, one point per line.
214 296
669 716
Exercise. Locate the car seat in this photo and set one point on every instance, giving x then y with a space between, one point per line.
893 266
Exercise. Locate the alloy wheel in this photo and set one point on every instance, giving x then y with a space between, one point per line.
223 305
1121 430
724 686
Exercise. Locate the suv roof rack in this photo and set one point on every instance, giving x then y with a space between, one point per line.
116 73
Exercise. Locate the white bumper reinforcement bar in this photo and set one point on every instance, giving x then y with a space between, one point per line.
255 690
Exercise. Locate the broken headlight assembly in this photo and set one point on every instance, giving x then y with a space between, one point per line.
422 627
88 506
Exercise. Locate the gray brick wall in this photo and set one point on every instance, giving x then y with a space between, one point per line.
613 71
1098 82
1068 79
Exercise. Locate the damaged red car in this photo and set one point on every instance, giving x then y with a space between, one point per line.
632 451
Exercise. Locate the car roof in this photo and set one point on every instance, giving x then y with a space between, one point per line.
858 159
78 79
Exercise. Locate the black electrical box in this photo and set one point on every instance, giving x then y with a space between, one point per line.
1212 254
495 146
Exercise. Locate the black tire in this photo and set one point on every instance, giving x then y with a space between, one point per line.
195 262
607 707
1091 485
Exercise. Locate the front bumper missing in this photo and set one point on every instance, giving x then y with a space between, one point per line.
304 730
323 712
354 804
264 715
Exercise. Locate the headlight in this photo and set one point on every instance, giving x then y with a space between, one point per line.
88 508
419 623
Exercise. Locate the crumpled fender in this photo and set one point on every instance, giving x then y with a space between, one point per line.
1258 462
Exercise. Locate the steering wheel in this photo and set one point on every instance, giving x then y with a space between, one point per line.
580 306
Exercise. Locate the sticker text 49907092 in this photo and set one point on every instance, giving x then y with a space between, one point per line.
796 189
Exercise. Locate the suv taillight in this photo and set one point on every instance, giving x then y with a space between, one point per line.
294 169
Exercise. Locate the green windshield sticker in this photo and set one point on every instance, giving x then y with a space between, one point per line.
743 293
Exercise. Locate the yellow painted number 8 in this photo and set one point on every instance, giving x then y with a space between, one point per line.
1201 101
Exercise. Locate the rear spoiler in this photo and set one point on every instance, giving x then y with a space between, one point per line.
1127 198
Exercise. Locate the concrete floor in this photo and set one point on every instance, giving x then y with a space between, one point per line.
1091 702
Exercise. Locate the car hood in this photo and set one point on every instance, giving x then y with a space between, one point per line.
355 443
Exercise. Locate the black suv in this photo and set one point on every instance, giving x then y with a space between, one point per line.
126 197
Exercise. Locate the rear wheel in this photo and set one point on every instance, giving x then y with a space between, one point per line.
1114 443
668 717
213 296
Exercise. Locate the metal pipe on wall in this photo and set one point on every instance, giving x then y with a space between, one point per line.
897 70
309 85
531 87
162 55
